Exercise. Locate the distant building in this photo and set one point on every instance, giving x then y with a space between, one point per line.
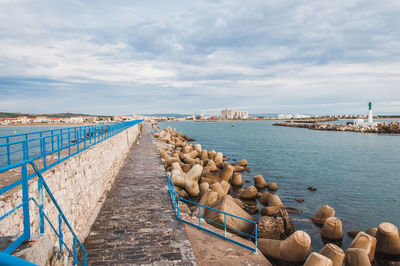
285 116
234 114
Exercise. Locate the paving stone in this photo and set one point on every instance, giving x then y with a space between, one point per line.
137 224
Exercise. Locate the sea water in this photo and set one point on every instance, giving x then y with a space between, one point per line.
357 174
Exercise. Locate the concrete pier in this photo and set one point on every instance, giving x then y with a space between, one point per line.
137 224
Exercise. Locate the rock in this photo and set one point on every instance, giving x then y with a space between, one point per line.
272 186
299 200
218 188
334 253
184 211
242 162
259 182
264 198
247 181
225 186
169 160
226 173
353 233
197 147
211 154
387 237
259 195
271 228
228 205
278 227
372 231
189 180
293 249
210 167
251 209
312 188
204 155
238 168
204 187
183 194
316 259
356 257
270 210
237 179
332 229
274 200
323 213
293 210
208 199
248 193
187 149
219 159
366 242
186 168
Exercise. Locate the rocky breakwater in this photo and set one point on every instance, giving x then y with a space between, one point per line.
391 128
207 177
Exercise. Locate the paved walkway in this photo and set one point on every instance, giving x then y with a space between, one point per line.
137 224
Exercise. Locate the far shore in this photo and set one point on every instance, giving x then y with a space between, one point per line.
45 125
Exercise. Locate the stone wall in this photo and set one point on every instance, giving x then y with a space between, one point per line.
79 184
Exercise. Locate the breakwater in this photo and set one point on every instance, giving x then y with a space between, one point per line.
391 128
225 135
79 184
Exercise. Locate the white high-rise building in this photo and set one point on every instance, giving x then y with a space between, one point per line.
234 114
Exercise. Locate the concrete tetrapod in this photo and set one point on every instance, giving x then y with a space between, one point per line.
366 242
295 248
229 205
237 179
372 231
189 181
332 229
316 259
197 147
323 213
259 182
387 239
272 186
248 193
356 257
219 159
334 253
274 200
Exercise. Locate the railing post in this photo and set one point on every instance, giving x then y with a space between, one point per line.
224 224
256 240
40 198
60 232
58 147
75 253
8 151
84 137
52 142
69 143
177 208
25 194
199 216
43 150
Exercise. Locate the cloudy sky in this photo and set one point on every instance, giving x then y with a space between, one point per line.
119 57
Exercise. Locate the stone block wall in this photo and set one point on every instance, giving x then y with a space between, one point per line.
79 184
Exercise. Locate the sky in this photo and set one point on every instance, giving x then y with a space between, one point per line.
268 56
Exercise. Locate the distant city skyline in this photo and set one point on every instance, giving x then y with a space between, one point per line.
107 58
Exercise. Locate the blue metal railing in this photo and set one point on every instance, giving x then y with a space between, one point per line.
175 202
26 235
61 144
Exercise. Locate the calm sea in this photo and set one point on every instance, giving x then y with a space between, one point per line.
357 174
